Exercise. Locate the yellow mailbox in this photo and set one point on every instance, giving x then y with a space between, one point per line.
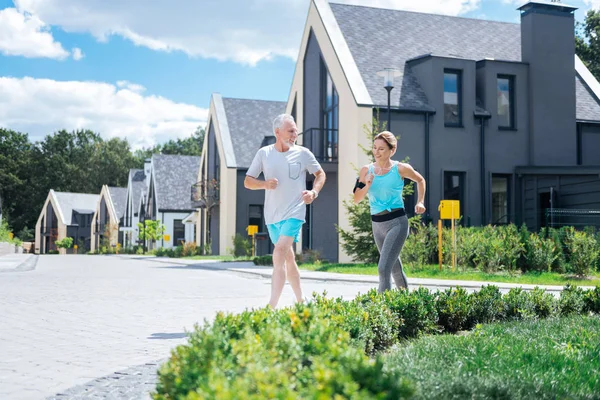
252 230
167 238
449 209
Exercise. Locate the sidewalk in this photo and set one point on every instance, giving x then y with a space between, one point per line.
265 272
17 262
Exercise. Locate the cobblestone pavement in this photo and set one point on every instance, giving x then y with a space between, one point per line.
74 319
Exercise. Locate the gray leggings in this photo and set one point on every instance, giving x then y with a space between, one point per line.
389 237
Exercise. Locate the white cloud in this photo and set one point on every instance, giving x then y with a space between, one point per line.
42 106
245 31
23 34
77 54
593 4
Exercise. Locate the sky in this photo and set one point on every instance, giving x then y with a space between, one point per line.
145 69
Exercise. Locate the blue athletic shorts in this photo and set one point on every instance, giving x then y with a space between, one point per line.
287 227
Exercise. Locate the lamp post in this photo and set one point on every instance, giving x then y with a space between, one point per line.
388 75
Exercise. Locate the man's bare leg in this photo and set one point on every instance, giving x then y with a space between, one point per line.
282 247
293 274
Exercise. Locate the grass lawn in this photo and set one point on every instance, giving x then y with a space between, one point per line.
546 359
433 272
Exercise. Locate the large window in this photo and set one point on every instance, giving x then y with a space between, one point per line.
506 118
452 97
178 233
454 189
500 199
330 101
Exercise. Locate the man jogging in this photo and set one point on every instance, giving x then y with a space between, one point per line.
284 167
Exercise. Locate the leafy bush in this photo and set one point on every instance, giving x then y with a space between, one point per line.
417 249
241 246
572 300
235 358
415 309
487 306
544 304
189 249
263 260
454 308
592 300
542 253
518 304
584 253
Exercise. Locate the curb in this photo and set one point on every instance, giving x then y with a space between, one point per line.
373 279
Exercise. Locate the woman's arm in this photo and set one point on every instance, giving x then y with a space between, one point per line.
407 171
367 180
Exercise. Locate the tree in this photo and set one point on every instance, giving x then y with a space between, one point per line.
151 230
64 243
587 42
190 146
358 242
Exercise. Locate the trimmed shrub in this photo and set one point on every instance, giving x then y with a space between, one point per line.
571 300
454 308
542 253
592 300
415 309
487 306
518 305
263 260
584 253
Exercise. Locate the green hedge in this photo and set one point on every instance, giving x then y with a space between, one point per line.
331 347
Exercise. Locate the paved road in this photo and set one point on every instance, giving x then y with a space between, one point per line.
74 319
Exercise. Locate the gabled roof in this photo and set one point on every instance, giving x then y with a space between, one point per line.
173 177
249 121
67 202
119 200
378 38
138 184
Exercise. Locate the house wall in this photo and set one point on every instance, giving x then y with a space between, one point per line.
167 219
213 161
590 144
48 218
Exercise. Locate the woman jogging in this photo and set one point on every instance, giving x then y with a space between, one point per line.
383 181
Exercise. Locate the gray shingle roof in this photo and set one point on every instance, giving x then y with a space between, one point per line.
587 104
75 201
173 177
249 122
138 184
119 199
380 38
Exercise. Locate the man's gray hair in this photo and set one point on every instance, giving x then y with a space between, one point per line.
278 121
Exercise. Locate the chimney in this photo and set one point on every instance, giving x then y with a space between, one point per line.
548 46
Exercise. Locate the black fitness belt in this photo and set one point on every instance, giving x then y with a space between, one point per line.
387 216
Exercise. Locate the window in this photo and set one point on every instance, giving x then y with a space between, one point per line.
454 189
452 98
506 117
500 199
330 101
178 232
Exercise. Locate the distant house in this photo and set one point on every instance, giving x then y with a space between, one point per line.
501 116
136 188
236 129
65 215
108 217
168 198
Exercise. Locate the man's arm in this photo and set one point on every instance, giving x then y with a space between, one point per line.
256 184
308 196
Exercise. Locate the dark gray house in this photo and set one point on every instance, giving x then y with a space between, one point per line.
168 196
501 116
236 129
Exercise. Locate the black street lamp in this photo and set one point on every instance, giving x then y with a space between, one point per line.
388 75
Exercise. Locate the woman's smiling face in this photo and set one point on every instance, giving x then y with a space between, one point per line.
381 150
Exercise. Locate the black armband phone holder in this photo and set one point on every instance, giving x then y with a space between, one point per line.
358 185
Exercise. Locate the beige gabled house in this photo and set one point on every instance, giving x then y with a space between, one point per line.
65 215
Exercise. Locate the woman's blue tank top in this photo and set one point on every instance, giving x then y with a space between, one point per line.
385 192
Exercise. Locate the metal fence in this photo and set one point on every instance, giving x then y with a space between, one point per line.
579 219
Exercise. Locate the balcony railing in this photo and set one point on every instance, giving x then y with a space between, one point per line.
322 142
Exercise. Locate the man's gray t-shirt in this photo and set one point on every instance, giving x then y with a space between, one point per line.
289 168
